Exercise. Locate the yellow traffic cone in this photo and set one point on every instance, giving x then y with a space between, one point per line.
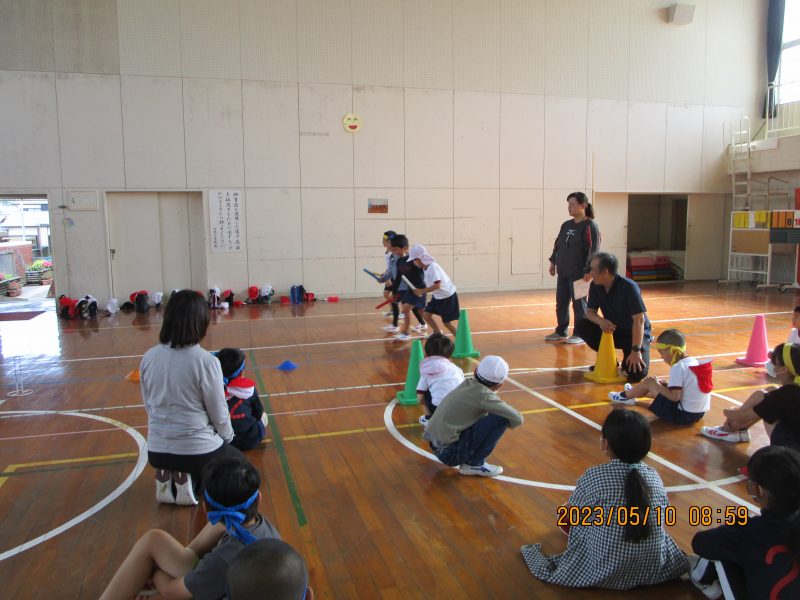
605 367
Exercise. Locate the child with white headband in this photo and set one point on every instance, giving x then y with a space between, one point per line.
687 395
444 301
159 561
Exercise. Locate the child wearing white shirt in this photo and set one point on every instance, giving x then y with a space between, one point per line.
437 375
687 395
444 301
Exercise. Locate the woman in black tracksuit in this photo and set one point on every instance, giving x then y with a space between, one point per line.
577 241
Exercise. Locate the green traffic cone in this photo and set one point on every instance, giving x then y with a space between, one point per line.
464 347
408 397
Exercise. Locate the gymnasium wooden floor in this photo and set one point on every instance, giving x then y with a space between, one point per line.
343 483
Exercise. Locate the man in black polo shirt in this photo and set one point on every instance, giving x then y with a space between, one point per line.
624 315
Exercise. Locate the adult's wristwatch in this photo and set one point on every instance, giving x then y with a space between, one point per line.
635 348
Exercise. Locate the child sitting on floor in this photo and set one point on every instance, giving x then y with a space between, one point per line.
437 375
246 411
687 395
794 338
198 570
618 552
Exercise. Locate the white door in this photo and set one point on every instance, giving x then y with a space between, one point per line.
705 235
526 248
611 214
134 236
173 217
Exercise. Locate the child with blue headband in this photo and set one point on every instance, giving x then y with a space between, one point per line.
198 570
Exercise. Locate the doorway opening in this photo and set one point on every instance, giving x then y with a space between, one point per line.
656 237
26 263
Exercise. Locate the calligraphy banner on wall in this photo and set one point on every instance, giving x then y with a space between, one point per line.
224 216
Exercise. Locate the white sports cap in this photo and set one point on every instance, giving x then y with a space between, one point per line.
493 368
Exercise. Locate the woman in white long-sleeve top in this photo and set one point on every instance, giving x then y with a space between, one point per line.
183 392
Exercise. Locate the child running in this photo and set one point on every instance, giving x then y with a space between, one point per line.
687 395
244 405
198 570
444 301
437 375
387 279
409 301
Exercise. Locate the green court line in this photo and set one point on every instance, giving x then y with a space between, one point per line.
277 440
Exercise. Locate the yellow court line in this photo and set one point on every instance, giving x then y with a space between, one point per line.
62 461
313 436
552 408
742 387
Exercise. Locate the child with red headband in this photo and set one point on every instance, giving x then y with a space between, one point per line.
247 414
159 561
687 395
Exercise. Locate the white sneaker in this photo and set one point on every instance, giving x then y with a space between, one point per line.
421 327
184 491
574 339
401 316
401 336
485 470
424 420
389 328
697 568
164 487
717 433
618 398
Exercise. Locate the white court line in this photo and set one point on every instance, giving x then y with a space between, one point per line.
700 483
5 414
731 400
389 424
137 470
385 339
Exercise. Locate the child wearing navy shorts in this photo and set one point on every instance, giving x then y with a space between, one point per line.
444 302
409 300
686 397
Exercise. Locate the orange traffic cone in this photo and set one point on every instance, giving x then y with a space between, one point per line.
133 375
605 367
758 348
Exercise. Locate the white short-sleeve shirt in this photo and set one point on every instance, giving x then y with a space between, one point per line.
434 273
681 376
441 384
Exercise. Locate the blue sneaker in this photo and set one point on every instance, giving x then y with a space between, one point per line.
484 470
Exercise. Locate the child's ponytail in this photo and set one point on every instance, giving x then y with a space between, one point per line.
636 497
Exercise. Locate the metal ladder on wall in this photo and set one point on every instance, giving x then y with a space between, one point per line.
749 194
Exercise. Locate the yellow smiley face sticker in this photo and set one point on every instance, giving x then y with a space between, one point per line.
351 122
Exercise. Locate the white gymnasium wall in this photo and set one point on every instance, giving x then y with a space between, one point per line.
472 111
